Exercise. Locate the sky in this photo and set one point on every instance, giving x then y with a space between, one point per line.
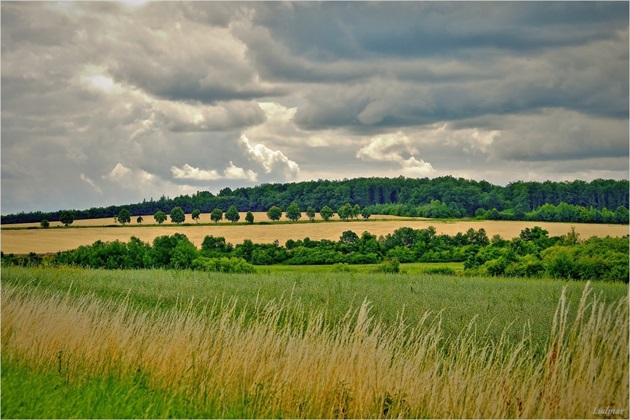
114 102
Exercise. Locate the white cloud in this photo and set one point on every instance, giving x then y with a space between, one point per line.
189 172
231 172
96 78
119 172
387 148
416 168
391 148
129 178
276 112
235 173
126 184
273 161
470 140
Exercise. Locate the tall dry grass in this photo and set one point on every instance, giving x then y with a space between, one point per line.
290 362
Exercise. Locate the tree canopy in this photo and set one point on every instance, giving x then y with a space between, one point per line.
232 214
178 215
160 217
195 215
216 215
293 212
66 217
274 213
124 216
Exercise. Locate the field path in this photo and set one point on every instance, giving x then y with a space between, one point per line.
52 240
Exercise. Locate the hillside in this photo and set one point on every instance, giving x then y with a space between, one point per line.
604 201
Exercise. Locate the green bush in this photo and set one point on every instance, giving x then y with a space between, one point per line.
342 268
389 266
404 254
448 271
223 265
528 266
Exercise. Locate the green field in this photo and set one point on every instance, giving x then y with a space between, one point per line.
492 318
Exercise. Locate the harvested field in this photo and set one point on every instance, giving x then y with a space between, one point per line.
43 241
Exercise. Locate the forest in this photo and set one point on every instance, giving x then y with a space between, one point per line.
598 201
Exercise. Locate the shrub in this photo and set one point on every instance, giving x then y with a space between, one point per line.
558 262
342 268
223 265
359 258
496 267
528 266
402 253
448 271
390 266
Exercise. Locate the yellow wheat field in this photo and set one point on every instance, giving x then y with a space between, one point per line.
52 240
358 369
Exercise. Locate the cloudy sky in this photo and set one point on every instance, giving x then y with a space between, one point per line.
110 103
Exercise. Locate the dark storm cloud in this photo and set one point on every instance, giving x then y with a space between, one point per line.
348 30
520 56
112 102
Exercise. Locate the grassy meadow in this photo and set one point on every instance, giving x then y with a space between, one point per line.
311 345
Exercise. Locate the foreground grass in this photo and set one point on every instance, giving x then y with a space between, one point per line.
406 268
47 393
288 361
500 305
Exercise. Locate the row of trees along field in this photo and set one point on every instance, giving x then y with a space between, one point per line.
549 213
177 215
577 201
533 254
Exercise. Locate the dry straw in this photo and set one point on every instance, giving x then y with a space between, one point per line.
288 361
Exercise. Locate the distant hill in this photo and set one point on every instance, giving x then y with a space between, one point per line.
445 197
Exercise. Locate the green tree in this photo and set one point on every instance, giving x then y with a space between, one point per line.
216 215
249 217
345 211
533 234
326 213
366 213
232 214
44 223
572 238
215 246
159 216
293 212
124 216
177 215
356 211
66 217
195 215
349 238
184 254
140 219
310 212
274 213
174 251
621 215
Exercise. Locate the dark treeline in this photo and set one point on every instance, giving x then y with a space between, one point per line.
596 201
533 254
